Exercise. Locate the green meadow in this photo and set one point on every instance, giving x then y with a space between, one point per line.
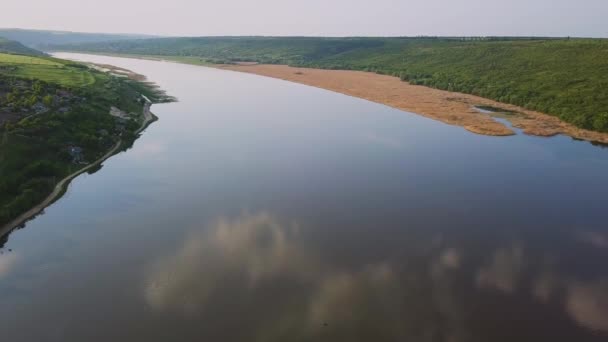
45 69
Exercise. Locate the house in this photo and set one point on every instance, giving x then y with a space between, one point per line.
64 94
76 154
40 108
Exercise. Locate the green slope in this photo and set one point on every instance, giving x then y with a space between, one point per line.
10 46
49 105
562 77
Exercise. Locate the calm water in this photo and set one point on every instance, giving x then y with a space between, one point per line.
261 210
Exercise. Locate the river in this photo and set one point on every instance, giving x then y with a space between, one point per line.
261 210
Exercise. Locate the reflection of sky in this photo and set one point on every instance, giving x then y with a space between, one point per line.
587 303
388 300
504 270
7 261
254 248
148 149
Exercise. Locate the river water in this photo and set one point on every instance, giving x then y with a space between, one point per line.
261 210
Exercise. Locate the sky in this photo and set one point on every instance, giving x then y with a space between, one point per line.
583 18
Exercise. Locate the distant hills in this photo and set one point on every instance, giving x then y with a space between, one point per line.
11 46
40 39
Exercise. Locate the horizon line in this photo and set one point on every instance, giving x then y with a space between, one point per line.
152 35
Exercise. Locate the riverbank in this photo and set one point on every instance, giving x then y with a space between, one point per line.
61 187
448 107
452 108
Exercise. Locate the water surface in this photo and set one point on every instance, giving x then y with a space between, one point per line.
261 210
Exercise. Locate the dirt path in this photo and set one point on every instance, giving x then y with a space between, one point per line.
62 185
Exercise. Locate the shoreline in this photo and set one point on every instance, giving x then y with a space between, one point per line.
452 108
62 186
457 109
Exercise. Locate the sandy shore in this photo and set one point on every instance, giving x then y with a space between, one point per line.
448 107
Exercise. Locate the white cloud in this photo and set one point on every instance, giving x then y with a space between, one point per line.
587 303
504 271
595 239
254 247
7 262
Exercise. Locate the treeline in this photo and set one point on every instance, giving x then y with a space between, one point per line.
42 38
562 77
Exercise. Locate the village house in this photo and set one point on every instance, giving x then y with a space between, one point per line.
40 108
76 154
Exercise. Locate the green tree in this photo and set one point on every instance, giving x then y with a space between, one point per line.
48 100
600 122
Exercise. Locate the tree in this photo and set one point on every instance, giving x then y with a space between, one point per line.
48 100
37 87
600 122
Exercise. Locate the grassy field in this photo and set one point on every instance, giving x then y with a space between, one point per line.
561 77
45 69
60 75
23 59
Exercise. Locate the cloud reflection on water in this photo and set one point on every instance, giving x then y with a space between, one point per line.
587 303
256 262
254 248
504 271
595 239
7 262
255 251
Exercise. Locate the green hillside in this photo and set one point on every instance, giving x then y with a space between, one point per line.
562 77
55 119
10 46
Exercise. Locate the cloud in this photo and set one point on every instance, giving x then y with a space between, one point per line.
258 266
385 303
595 239
256 248
504 271
384 141
340 297
587 303
7 262
545 285
148 149
450 258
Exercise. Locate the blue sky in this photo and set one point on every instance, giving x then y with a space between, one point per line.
314 17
